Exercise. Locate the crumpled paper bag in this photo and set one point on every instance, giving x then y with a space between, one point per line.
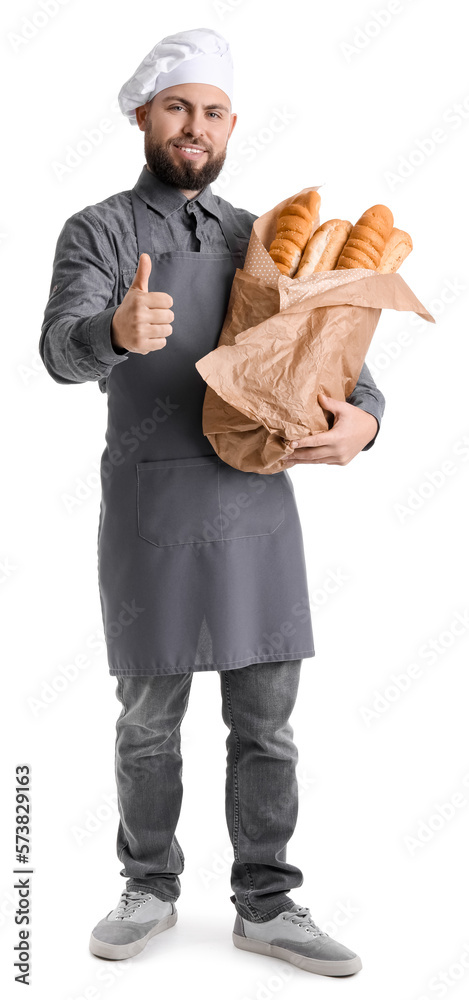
283 341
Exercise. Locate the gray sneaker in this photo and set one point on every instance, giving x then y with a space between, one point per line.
126 929
293 936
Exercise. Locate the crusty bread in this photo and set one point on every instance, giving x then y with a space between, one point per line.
365 245
310 200
300 250
324 247
295 225
396 250
286 255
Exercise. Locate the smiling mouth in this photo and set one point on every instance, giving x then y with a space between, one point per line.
190 152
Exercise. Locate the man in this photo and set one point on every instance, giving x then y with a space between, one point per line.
201 566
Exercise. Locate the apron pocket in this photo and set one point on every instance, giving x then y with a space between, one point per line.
251 503
202 499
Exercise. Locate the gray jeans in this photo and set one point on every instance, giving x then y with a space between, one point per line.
261 800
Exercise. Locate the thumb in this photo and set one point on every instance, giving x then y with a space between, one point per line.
329 403
142 273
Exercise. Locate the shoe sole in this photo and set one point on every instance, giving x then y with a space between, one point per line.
105 949
321 967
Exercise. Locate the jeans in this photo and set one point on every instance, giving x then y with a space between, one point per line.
261 792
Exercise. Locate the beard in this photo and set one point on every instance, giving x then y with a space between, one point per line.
184 175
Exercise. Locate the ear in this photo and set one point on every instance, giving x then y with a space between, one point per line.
234 119
141 114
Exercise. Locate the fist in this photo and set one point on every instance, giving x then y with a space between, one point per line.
143 320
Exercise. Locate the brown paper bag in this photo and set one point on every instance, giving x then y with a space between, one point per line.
283 341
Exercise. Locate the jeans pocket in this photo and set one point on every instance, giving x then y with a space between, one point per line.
202 499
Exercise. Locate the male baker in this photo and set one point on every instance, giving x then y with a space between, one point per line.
201 566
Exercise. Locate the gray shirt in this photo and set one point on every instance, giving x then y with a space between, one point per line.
95 261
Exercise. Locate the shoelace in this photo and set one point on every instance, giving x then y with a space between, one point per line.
128 903
304 920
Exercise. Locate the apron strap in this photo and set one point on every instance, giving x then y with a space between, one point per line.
142 226
230 237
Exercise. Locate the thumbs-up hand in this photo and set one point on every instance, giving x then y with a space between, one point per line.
143 320
142 273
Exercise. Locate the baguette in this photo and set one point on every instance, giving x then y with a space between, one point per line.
295 225
324 247
396 250
365 245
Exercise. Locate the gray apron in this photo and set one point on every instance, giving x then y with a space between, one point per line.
201 566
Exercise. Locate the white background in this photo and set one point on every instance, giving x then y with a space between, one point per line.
367 785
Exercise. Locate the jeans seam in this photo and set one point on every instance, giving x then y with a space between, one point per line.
179 850
235 770
236 797
120 692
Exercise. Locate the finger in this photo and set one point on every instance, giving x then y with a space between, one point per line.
158 300
329 403
328 459
155 317
316 440
314 455
142 273
154 344
158 331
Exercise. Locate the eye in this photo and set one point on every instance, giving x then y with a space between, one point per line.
173 107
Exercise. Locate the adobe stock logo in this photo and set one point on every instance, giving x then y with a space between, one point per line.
362 36
429 652
31 26
250 147
433 480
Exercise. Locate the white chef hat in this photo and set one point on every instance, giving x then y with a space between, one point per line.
196 56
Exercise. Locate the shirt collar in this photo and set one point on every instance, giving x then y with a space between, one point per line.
167 199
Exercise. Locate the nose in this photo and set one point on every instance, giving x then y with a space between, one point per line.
195 123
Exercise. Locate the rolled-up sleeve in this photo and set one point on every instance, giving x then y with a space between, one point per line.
75 343
367 396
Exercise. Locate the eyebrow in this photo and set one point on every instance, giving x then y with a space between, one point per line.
207 107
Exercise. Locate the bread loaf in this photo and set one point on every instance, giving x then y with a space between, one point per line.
324 247
299 249
396 250
365 245
295 225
